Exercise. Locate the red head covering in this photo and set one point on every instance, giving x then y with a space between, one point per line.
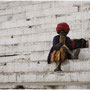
62 26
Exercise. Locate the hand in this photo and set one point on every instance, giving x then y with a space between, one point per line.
62 39
65 48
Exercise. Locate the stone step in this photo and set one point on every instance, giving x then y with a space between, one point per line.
46 28
32 14
42 55
27 38
36 56
71 17
52 11
42 66
47 20
82 34
34 7
57 85
12 17
37 6
23 31
81 25
62 77
30 39
35 50
79 86
44 36
8 5
84 8
25 47
55 77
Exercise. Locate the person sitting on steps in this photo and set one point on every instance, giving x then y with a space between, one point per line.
63 46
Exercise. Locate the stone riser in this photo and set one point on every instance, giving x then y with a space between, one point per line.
36 55
44 86
40 37
6 6
39 6
48 20
51 32
36 7
71 87
29 41
42 66
62 77
33 14
75 27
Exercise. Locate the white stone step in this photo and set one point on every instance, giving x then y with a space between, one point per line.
62 77
12 17
82 86
11 5
51 11
28 38
39 5
81 25
25 47
47 20
77 32
42 66
84 54
84 8
55 77
57 85
32 38
75 16
21 37
33 7
37 50
33 14
18 16
36 56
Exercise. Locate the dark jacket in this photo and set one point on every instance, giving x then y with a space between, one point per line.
71 44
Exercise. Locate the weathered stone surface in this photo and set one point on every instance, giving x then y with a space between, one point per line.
42 66
26 34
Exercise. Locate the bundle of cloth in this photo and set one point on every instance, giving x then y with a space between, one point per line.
63 47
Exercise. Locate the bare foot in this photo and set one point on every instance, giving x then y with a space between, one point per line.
57 69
